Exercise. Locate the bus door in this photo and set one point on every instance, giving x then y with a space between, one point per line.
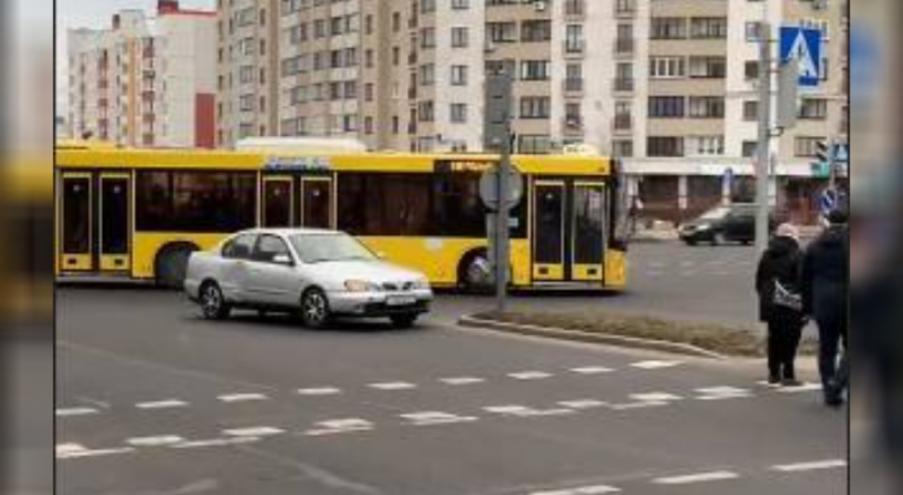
76 222
114 221
548 230
278 201
317 202
587 231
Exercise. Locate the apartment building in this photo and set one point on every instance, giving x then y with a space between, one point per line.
145 81
692 105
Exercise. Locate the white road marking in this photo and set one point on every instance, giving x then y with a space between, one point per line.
654 365
461 380
529 375
696 478
765 383
811 466
76 411
161 404
214 442
655 397
74 450
525 412
392 385
154 441
722 392
636 405
591 370
254 431
582 403
806 387
583 490
241 397
425 418
344 425
319 391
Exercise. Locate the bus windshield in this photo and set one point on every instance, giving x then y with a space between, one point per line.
319 248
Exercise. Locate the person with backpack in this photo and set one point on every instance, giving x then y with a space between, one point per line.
825 290
780 303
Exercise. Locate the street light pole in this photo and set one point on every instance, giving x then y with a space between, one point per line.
502 219
764 137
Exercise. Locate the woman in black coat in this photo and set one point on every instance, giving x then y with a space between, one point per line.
780 304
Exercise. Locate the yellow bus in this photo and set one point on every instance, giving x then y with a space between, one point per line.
137 213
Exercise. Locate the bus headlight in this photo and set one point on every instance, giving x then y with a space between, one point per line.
360 286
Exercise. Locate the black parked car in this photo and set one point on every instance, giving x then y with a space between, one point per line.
723 224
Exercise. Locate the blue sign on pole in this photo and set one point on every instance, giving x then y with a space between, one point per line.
804 45
841 153
827 201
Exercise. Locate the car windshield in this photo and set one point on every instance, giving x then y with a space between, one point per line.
318 248
715 214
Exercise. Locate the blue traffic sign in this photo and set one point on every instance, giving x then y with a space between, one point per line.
827 201
841 153
804 45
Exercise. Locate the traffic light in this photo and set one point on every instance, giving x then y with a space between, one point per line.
822 151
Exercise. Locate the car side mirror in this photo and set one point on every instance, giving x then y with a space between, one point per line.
283 259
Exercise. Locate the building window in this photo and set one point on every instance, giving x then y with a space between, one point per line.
368 125
664 146
534 107
502 32
622 148
536 30
460 4
573 38
806 146
751 69
708 67
750 110
368 92
705 145
753 31
707 107
666 67
458 113
459 75
427 38
534 70
533 144
427 74
708 27
666 106
749 148
459 37
246 103
425 111
427 6
814 108
668 28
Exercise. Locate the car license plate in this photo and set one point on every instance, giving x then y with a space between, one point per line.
400 300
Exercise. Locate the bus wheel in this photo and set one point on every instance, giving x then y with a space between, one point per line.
171 264
474 272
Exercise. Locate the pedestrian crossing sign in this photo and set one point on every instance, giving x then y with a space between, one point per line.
803 45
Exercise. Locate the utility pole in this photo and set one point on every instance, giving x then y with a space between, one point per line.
832 165
762 155
502 219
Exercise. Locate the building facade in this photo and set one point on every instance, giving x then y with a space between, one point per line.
669 85
145 81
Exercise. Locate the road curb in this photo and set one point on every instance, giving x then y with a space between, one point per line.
591 337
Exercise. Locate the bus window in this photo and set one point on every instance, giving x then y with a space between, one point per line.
76 215
195 201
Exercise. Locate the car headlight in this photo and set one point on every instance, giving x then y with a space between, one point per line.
422 283
703 226
360 286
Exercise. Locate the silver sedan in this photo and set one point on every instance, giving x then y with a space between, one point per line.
319 273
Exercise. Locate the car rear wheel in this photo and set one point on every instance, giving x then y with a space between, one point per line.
314 309
718 239
403 321
213 304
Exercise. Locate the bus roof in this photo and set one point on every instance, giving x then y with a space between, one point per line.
101 157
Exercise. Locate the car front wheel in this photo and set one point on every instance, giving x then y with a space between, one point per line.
314 309
213 304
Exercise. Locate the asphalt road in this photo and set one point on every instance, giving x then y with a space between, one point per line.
153 400
666 279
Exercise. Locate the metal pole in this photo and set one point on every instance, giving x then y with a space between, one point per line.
764 138
501 218
832 166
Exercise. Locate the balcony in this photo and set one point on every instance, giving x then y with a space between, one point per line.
573 86
574 10
624 46
622 122
574 48
623 84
